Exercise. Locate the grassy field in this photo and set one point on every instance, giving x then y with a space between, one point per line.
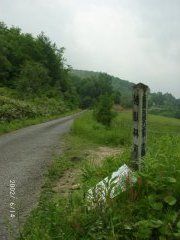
147 210
167 112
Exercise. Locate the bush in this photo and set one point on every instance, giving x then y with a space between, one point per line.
103 112
87 127
11 109
51 106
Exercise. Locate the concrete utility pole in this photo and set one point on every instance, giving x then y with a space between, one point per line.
140 94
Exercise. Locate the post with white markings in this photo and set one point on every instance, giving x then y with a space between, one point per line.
140 95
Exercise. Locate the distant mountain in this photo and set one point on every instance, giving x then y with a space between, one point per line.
124 86
163 104
119 84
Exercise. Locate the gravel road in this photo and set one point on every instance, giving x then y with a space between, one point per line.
24 157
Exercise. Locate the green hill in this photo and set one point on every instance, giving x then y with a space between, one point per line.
119 84
124 86
164 104
33 70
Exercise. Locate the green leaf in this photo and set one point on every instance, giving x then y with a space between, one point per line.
177 235
178 224
156 205
156 223
171 180
152 198
127 227
162 238
170 200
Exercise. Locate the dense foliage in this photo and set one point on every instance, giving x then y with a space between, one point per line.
34 66
122 89
159 103
164 104
14 109
90 89
35 70
103 111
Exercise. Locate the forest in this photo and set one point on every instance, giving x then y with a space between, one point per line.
35 80
34 72
159 103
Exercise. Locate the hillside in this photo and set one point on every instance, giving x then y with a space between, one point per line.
118 83
33 67
164 104
124 86
33 71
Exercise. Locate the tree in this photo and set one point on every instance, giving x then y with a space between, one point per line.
92 88
117 97
5 68
34 65
52 58
33 79
103 112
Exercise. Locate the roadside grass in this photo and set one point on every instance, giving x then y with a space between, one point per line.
161 125
16 113
118 134
6 127
147 210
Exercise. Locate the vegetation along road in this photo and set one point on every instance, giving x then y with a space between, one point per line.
24 157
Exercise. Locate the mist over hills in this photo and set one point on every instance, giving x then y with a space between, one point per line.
159 103
119 84
124 86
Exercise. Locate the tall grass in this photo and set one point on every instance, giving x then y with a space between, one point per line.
118 134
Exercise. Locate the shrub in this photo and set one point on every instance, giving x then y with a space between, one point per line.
51 106
11 109
103 112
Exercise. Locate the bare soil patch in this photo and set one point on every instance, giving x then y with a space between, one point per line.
69 181
97 156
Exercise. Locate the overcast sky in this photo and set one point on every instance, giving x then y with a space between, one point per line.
137 40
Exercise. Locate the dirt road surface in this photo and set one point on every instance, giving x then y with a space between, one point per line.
24 157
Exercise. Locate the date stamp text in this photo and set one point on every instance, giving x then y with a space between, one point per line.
12 194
